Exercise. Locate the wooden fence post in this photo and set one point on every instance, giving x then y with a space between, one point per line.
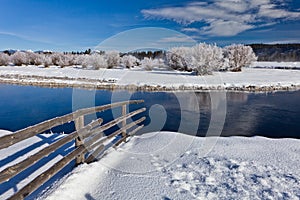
124 121
79 123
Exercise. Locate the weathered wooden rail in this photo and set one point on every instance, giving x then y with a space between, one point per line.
89 142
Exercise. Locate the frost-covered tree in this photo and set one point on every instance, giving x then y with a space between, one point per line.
60 59
205 58
97 61
37 59
19 58
4 59
177 56
160 63
56 58
112 58
81 60
30 59
129 61
202 58
148 63
239 56
46 60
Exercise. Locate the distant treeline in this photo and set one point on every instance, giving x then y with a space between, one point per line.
277 52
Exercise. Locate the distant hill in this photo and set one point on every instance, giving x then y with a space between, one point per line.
277 52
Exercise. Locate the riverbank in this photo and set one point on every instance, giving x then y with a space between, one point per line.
250 79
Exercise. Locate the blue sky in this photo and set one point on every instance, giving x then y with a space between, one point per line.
62 25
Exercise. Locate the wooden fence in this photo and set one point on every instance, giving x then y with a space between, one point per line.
89 142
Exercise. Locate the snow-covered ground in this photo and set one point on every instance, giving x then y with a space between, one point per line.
167 165
276 65
248 79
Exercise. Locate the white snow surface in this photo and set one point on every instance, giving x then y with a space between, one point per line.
163 78
4 132
286 65
167 165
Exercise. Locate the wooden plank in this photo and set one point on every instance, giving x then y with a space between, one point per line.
42 178
123 139
128 126
11 171
93 156
112 123
124 121
87 111
97 143
136 130
8 140
79 124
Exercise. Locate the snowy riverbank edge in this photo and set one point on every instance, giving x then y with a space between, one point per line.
250 79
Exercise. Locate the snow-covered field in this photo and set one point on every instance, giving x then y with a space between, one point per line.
158 79
165 165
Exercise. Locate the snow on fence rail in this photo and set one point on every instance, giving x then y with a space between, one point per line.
89 142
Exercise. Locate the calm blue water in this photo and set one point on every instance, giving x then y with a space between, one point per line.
275 115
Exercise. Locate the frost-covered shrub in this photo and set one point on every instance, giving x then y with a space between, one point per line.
70 59
129 61
46 60
148 63
160 63
4 59
56 58
177 56
60 59
37 59
205 58
81 60
239 56
202 58
19 58
97 61
112 58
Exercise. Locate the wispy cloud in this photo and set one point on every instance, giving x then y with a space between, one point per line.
225 17
175 39
24 37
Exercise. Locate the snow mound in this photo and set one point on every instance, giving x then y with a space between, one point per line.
236 168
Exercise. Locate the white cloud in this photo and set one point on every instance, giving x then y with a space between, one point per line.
175 39
195 30
270 11
225 28
238 6
225 17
